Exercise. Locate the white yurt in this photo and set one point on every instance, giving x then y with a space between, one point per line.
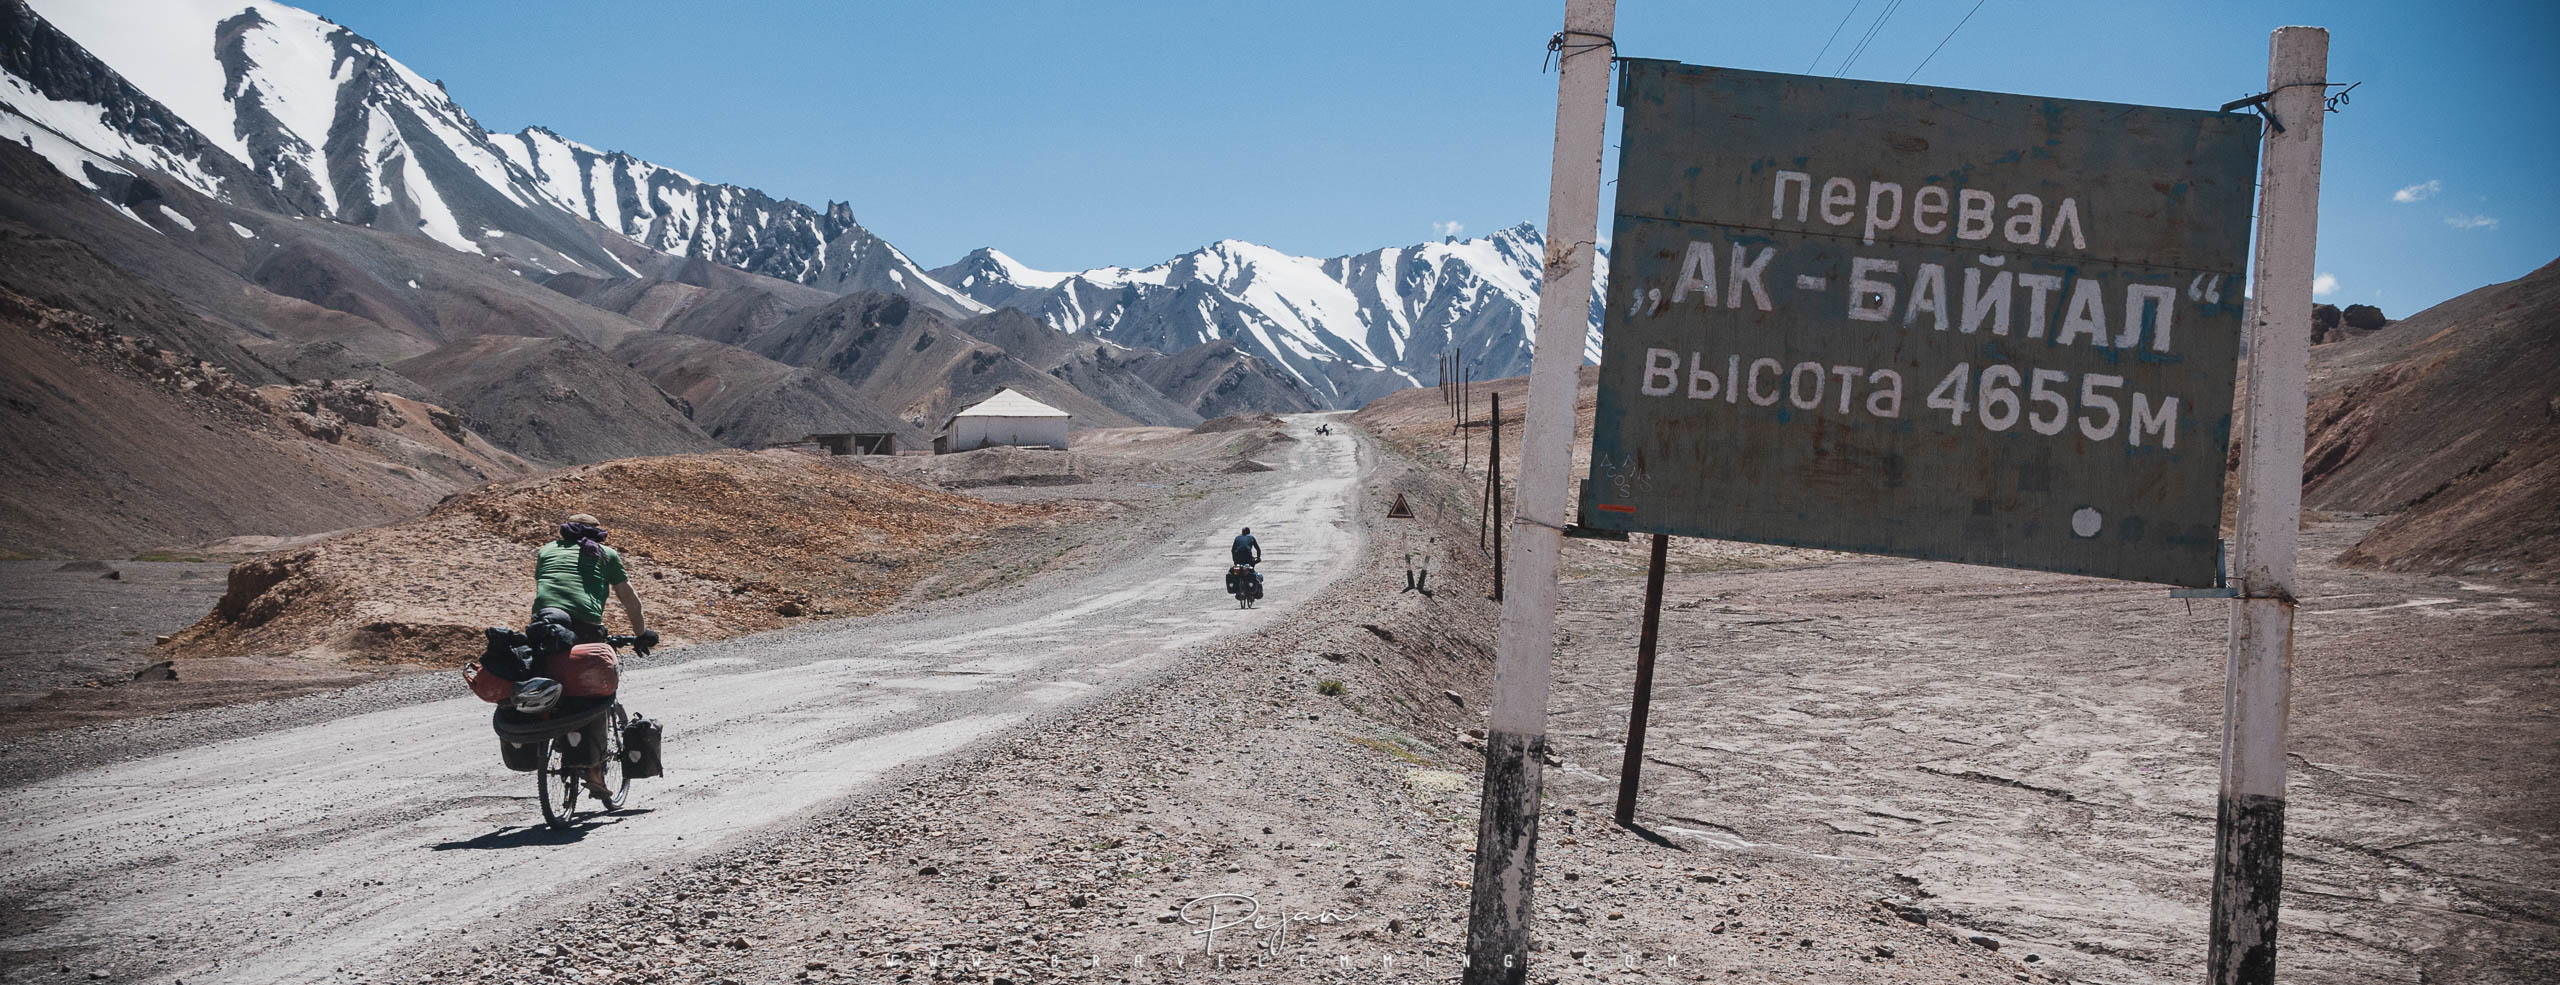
1008 418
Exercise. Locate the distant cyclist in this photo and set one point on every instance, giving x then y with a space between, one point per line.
1247 551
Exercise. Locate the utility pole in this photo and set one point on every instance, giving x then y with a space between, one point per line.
1516 732
2248 837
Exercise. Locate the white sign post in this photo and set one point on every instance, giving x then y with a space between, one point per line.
1516 733
2248 856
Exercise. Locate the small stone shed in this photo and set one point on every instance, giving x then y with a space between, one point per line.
1008 418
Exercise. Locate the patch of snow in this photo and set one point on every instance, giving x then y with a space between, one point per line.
381 143
494 233
65 156
243 231
1024 276
188 224
136 217
296 78
434 219
83 126
555 166
413 283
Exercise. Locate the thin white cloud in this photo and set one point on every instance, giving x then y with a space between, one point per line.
2324 285
1450 228
2418 192
2460 221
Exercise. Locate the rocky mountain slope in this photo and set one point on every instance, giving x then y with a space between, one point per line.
282 110
560 401
258 187
745 400
1350 328
921 367
116 444
667 210
2451 420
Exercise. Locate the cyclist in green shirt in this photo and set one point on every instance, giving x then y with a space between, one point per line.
570 577
572 574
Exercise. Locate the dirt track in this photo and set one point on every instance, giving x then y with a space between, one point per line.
292 854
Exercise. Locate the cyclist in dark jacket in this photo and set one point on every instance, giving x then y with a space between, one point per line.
1247 550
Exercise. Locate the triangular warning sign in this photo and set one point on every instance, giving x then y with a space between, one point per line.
1400 511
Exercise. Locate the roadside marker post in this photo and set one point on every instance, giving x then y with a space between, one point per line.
2248 838
1516 729
1493 495
1640 707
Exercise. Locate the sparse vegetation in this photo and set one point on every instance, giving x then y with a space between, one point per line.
1329 687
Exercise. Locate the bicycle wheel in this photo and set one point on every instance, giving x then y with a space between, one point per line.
557 784
617 775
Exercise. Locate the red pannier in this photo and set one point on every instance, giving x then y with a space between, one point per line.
588 670
490 687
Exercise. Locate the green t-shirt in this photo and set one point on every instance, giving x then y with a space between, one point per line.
563 578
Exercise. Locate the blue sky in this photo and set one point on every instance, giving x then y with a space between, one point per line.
1074 135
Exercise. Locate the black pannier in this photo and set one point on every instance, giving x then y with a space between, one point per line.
523 757
640 739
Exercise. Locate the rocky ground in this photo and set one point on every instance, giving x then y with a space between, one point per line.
1318 776
91 624
2035 756
1860 770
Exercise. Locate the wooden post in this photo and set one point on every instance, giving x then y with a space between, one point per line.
1631 769
2248 837
1499 904
1493 487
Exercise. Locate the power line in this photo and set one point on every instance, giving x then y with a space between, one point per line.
1942 42
1835 36
1872 30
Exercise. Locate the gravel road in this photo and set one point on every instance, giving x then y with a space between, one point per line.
235 846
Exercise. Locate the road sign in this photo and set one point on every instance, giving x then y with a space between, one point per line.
1925 322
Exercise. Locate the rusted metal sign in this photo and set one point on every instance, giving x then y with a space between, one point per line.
1933 323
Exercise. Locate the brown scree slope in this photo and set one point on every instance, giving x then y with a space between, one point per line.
2451 419
115 445
718 545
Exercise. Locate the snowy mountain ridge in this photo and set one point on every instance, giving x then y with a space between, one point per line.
1352 328
276 108
273 108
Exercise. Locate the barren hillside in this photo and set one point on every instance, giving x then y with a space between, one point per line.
718 545
116 445
2450 419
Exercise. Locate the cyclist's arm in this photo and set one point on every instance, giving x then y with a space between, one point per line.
631 607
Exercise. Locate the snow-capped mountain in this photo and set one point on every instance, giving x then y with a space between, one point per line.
1352 328
673 212
278 110
270 107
